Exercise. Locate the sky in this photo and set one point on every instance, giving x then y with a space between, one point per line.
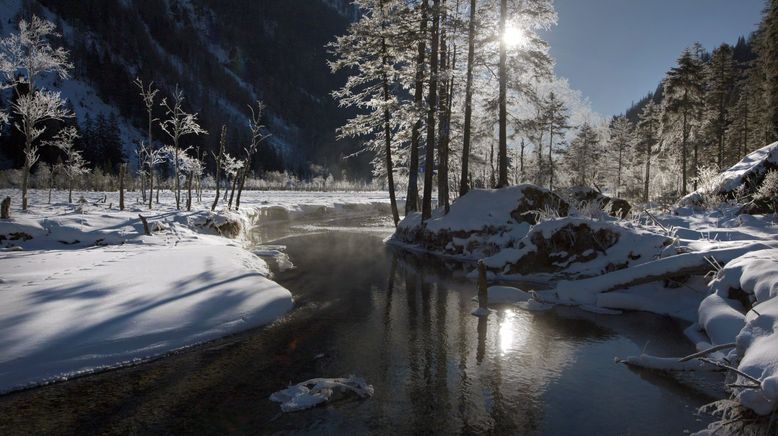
616 51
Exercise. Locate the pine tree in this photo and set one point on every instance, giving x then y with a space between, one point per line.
767 68
620 140
720 84
648 129
583 155
554 117
683 104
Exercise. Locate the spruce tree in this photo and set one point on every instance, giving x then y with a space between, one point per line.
683 103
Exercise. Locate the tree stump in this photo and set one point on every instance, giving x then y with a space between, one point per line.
145 222
5 208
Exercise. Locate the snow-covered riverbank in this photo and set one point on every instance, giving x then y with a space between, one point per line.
83 289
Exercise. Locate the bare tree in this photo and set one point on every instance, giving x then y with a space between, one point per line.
178 124
256 128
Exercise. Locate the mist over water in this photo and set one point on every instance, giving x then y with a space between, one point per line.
403 323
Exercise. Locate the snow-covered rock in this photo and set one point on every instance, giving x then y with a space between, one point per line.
579 247
743 179
480 223
743 308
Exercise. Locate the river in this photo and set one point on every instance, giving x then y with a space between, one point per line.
402 322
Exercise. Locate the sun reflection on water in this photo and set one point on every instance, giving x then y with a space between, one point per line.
512 330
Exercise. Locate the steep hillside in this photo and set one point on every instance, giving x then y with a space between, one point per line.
224 55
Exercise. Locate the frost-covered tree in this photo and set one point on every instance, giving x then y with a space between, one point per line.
684 92
74 164
619 145
583 156
23 57
720 86
554 118
148 93
34 110
258 135
648 131
371 52
179 123
152 157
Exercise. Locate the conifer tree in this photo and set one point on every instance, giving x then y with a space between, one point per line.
720 78
683 104
648 128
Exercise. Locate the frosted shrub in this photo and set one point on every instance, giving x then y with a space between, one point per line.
707 181
591 209
768 190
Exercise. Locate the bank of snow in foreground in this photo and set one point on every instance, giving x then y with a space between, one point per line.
82 289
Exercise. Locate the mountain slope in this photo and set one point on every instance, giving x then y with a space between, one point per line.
224 55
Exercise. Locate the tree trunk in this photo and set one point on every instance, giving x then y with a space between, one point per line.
463 181
683 149
122 171
222 141
503 113
189 178
388 137
25 181
240 187
647 179
232 192
178 182
443 124
426 209
151 186
550 153
412 199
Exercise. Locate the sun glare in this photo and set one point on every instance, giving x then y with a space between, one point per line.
515 36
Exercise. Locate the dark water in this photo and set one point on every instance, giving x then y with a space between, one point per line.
403 323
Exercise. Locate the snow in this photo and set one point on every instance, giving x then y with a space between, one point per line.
752 164
469 213
88 291
505 295
316 391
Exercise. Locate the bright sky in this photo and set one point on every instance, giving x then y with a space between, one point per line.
616 51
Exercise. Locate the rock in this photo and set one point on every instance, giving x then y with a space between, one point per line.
581 195
620 208
579 247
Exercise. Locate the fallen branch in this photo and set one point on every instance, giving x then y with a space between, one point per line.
733 369
708 351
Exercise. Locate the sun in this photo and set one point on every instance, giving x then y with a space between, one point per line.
514 36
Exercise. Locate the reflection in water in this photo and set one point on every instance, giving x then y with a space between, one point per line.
403 322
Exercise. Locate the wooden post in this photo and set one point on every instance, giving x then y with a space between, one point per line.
122 171
5 208
482 294
145 222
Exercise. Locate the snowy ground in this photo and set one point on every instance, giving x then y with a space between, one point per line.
82 289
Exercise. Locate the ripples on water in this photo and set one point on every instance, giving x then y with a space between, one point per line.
403 322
